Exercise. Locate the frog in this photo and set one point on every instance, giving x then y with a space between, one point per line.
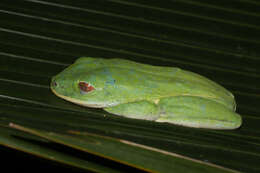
162 94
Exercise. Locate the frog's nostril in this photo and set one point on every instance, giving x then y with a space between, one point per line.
54 84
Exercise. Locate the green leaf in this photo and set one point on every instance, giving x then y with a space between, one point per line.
132 154
44 149
219 40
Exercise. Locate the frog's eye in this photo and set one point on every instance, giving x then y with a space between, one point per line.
85 87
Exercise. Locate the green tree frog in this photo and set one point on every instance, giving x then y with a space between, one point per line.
141 91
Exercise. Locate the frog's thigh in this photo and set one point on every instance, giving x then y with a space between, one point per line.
139 110
197 112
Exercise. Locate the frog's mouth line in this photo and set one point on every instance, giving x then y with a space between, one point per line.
79 102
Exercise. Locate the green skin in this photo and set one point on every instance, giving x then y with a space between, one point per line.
135 90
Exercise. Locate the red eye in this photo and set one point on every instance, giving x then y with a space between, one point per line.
85 87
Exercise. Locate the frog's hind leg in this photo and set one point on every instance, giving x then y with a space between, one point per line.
197 112
138 110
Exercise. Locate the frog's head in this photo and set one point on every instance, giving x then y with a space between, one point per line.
90 88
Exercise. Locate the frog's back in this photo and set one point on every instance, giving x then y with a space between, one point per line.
171 72
127 64
169 75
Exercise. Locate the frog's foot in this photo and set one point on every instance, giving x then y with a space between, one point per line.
197 112
139 110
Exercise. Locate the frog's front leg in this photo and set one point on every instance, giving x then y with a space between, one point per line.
197 112
139 110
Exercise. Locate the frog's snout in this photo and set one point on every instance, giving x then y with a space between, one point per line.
57 84
54 83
